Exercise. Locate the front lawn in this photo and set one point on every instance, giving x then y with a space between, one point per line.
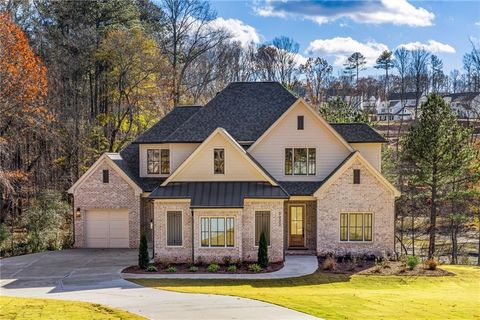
336 296
27 308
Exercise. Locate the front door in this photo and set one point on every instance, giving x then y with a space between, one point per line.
296 226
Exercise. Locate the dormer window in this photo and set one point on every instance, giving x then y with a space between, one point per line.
218 161
300 122
158 161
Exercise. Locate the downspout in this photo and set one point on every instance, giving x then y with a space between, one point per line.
193 240
152 225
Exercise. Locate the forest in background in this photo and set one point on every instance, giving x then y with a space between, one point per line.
79 78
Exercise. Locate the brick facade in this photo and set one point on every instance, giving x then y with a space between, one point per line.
117 194
276 248
344 196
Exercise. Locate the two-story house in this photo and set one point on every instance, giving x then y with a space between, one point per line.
206 181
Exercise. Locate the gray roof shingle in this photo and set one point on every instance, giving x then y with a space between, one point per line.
168 124
358 132
224 194
245 109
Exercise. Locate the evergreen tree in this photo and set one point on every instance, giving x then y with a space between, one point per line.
143 258
355 62
436 151
385 62
263 251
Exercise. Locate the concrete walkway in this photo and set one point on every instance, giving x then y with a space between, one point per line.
93 276
295 266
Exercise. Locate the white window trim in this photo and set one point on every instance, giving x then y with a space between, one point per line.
160 174
271 219
209 227
224 161
293 162
363 227
166 230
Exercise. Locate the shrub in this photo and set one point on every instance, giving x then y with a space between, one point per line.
412 262
227 260
431 264
152 268
213 268
329 263
193 269
171 269
254 267
262 251
143 258
232 268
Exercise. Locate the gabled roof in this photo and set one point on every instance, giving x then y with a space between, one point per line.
244 109
228 138
218 194
335 174
115 162
412 95
462 96
160 131
358 132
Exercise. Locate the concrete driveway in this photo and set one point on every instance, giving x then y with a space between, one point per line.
93 275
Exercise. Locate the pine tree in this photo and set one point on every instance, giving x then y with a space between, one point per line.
263 251
355 62
385 62
143 258
436 150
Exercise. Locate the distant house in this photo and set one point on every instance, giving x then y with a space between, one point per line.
465 104
397 106
206 181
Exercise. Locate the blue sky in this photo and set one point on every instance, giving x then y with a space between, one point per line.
334 29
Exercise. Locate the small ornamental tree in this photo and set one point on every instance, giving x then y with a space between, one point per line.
262 251
143 258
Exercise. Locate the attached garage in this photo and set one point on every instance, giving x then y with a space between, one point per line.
107 228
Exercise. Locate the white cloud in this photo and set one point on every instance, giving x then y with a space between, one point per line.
241 32
477 23
398 12
341 48
431 46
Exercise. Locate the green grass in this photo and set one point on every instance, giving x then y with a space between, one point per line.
26 308
334 296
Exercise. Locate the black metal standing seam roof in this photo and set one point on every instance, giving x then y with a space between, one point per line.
245 109
223 194
358 132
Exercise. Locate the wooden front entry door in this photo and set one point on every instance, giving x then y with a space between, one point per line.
296 226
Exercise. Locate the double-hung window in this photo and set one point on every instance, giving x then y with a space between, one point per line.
174 228
158 161
217 231
356 226
262 225
300 161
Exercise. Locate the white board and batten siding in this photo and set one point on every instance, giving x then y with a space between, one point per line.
372 152
237 167
178 153
270 152
107 228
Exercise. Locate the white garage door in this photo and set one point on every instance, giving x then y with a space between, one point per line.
107 228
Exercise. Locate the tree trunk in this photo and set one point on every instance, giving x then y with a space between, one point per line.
433 219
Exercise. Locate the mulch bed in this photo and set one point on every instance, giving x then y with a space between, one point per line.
390 268
182 268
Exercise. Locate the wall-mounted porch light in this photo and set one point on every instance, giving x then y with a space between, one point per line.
78 213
